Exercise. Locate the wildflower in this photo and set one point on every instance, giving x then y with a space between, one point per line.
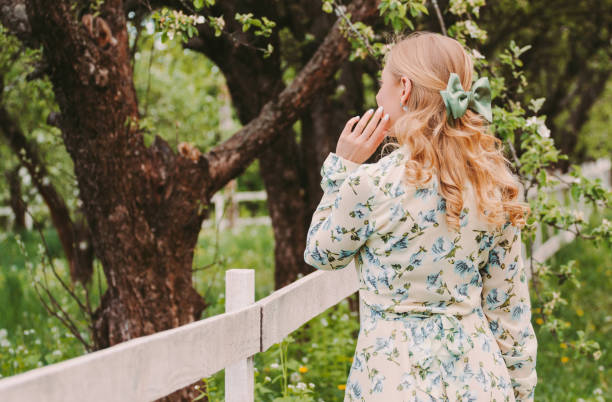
563 345
305 359
543 130
342 387
477 54
301 385
597 355
564 359
579 312
303 369
267 379
311 385
274 365
200 19
539 321
531 121
324 322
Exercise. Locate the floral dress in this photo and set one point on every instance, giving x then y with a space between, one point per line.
447 314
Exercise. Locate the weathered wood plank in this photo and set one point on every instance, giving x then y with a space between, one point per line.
145 368
288 308
240 376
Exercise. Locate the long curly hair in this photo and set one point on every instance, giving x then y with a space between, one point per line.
458 153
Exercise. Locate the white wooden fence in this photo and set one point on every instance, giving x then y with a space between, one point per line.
220 200
601 169
150 367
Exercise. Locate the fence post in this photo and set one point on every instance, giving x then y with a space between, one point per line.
240 376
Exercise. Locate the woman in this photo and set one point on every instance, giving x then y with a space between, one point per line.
434 230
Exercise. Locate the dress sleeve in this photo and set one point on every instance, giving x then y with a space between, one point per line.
507 306
341 222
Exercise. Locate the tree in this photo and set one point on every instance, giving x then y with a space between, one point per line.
145 205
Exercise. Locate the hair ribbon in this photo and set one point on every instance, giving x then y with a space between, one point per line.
457 101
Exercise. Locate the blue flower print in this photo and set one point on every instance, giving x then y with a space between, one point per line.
416 259
427 218
434 281
463 267
441 248
441 205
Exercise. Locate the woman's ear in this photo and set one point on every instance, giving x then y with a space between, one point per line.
407 88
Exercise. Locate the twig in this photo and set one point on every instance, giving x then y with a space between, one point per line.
439 14
214 261
339 8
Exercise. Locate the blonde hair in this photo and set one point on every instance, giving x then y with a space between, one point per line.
462 152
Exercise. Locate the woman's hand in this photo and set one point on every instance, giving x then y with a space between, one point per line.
358 144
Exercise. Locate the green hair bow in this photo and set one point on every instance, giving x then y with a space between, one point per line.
457 100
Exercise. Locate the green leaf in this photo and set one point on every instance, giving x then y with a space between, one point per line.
575 191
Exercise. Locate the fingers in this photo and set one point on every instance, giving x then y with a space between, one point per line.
348 127
362 123
372 123
379 134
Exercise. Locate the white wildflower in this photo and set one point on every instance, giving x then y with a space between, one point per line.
301 385
477 54
200 19
531 121
274 365
543 130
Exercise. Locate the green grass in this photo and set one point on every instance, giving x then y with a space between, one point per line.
318 354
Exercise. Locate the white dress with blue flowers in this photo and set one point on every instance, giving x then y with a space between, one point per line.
447 313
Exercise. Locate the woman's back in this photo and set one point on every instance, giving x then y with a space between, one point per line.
440 304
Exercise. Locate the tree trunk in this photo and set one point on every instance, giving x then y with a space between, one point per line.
16 200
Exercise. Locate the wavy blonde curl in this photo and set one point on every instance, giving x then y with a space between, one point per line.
463 152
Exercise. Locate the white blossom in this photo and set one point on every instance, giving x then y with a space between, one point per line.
477 54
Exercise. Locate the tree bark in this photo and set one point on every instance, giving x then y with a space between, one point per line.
16 200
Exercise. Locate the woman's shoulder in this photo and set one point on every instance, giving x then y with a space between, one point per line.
386 175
